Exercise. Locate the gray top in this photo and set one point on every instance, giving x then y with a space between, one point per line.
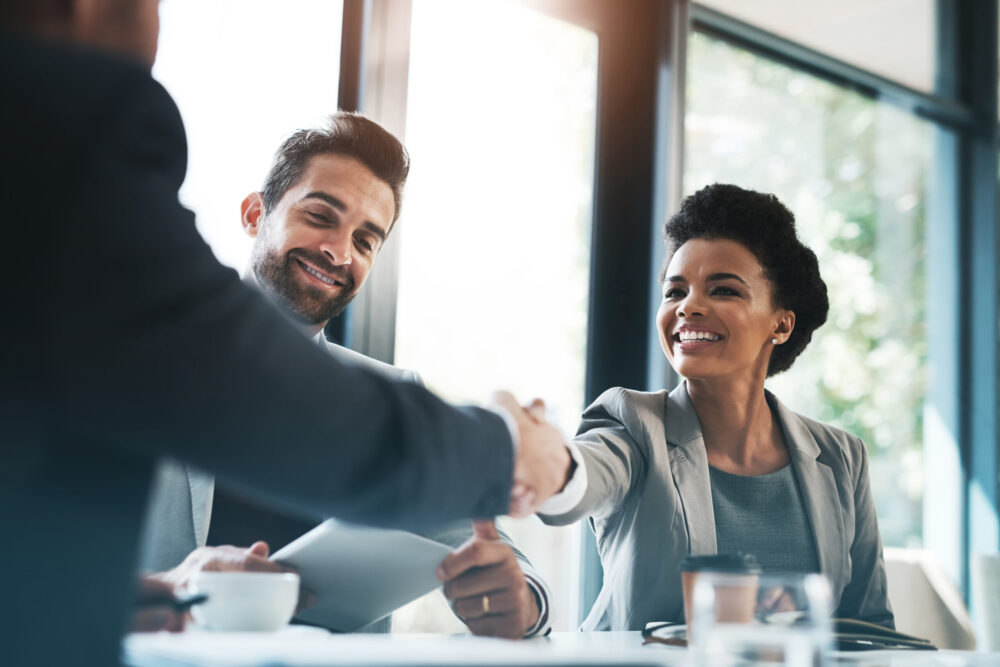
763 515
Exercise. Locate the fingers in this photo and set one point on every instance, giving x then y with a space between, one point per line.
260 549
485 529
523 501
500 603
235 559
307 600
472 554
536 409
480 580
149 588
263 565
506 400
543 462
155 619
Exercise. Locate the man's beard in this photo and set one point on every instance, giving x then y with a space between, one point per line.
275 274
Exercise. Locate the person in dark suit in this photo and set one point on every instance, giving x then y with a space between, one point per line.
124 340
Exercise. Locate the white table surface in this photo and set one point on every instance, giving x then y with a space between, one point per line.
311 647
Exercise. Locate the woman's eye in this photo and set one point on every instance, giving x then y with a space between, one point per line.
725 291
673 293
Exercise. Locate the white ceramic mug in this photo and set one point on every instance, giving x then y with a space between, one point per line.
245 601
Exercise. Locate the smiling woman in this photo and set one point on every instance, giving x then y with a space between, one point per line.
666 475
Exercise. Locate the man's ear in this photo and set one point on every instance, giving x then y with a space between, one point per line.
786 324
252 213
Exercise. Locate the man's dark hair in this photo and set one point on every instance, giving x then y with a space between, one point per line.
25 14
766 228
347 134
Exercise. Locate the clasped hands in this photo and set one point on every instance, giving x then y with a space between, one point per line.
543 465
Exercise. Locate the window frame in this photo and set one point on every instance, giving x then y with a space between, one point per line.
642 53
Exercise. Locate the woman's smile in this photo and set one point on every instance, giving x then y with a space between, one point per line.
693 338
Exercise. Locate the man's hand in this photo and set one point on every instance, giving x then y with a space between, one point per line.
154 607
229 559
543 462
486 588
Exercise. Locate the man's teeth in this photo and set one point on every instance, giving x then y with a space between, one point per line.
313 272
688 336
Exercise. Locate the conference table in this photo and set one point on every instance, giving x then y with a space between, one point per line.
299 646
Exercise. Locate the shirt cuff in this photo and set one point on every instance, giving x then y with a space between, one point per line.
542 626
575 488
508 419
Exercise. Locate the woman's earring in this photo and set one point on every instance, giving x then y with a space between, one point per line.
774 341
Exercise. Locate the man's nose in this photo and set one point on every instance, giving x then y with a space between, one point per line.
337 249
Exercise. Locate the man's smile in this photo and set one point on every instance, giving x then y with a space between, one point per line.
319 276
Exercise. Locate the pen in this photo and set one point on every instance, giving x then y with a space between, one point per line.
180 605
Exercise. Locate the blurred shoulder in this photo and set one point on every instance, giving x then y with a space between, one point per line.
66 102
386 370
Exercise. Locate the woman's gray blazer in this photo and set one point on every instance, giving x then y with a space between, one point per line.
649 502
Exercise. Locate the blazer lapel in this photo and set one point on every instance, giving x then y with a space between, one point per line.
689 466
202 489
819 495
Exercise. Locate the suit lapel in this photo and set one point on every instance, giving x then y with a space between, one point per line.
689 466
202 489
819 495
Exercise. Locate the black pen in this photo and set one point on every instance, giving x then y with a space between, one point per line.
180 605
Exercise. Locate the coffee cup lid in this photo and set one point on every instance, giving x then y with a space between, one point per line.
735 563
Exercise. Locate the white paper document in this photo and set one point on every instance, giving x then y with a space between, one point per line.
361 574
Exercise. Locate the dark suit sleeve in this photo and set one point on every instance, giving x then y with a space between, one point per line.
173 355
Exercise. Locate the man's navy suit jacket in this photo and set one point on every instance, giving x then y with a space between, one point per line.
123 340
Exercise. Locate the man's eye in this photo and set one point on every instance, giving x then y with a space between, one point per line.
365 245
319 217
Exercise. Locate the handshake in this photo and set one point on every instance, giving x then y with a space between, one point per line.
543 465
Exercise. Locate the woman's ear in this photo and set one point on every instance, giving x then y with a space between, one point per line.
783 329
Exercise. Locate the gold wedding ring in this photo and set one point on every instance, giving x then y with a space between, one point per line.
486 604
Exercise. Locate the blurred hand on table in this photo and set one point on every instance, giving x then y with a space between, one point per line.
154 607
229 559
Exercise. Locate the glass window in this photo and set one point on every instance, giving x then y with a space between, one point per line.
495 228
891 38
855 173
245 74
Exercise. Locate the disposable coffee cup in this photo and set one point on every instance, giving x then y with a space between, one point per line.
734 583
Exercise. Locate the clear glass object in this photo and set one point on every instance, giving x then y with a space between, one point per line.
769 619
